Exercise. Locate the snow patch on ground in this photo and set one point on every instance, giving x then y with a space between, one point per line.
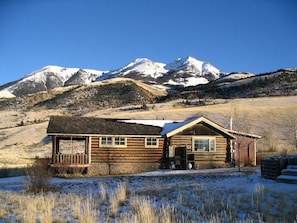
199 195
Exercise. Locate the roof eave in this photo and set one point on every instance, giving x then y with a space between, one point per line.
98 135
245 134
196 121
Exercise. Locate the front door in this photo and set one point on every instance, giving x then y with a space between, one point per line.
180 157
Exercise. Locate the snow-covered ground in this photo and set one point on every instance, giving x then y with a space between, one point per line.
217 195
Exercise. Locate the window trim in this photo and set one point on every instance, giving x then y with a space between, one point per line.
151 146
204 138
113 141
119 140
107 140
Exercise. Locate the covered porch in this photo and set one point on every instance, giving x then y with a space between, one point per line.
70 151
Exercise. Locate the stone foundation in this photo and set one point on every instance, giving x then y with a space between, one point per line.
104 169
210 165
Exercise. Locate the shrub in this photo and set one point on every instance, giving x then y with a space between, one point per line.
248 162
39 175
144 106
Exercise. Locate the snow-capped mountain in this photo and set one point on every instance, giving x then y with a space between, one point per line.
193 65
47 78
142 67
183 72
190 72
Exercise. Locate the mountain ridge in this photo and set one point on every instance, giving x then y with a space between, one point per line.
182 72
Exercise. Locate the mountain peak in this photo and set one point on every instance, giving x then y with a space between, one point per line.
191 59
187 71
182 63
141 60
52 68
145 62
142 66
49 77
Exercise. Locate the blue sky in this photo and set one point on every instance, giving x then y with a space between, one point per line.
234 35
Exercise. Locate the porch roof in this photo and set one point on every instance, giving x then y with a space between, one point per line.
90 125
174 128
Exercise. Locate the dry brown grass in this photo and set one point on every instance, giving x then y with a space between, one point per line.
117 197
268 117
195 202
155 91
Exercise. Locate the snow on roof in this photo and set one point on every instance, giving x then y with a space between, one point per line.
167 125
171 126
159 123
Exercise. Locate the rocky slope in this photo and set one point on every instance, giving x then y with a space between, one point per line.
181 72
81 99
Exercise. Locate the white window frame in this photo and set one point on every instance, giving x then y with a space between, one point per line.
119 141
208 150
107 141
114 141
148 142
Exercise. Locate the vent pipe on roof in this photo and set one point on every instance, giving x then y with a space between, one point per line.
231 123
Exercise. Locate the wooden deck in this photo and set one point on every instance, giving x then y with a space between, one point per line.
70 160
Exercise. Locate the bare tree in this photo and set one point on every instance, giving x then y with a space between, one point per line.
239 124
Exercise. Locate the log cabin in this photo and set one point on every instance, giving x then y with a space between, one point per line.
201 143
101 146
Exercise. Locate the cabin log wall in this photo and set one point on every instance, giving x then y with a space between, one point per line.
134 157
203 159
134 152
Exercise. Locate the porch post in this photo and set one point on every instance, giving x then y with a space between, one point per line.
255 152
228 152
164 164
54 137
89 148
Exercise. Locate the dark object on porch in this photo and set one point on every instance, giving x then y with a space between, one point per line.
180 158
177 162
191 161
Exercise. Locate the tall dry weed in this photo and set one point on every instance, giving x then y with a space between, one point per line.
113 203
102 192
39 175
75 201
144 210
36 208
45 205
121 192
88 211
117 197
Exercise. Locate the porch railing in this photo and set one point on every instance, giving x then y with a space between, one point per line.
71 159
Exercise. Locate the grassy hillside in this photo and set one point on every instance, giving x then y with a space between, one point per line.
23 132
278 83
82 99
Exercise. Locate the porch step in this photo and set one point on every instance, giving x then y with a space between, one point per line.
289 171
288 175
287 179
292 167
